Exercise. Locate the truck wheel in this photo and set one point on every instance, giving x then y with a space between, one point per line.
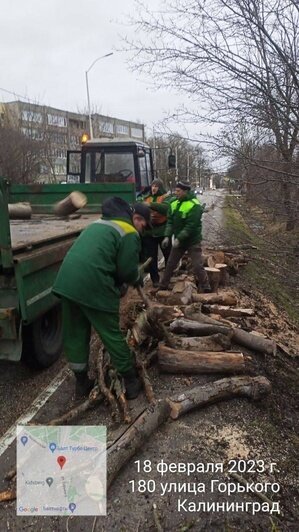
42 340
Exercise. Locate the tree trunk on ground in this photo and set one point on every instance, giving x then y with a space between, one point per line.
194 328
252 387
181 361
215 342
246 339
134 437
254 342
223 298
227 312
120 452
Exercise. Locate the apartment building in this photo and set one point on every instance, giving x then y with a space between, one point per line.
62 130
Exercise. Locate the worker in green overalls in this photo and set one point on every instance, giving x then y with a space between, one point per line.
103 258
185 226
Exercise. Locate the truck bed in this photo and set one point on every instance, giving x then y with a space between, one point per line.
45 228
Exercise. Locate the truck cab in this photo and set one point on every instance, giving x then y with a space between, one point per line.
111 161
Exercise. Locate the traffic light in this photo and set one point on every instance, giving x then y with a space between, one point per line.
171 161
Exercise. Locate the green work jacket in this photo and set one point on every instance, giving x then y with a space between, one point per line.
184 220
104 256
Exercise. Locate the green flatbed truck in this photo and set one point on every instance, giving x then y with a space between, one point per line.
31 252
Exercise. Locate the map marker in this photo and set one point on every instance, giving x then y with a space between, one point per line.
61 461
49 481
52 447
24 440
72 506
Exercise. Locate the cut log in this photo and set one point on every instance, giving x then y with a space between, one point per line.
134 437
227 312
252 387
124 448
222 298
223 273
214 278
19 211
193 328
181 361
215 342
210 258
254 342
182 294
74 201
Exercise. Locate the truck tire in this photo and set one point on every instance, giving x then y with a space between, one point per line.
42 340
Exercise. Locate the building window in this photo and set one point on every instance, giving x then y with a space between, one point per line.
136 132
57 120
106 127
31 116
122 130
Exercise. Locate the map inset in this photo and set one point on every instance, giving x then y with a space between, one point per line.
61 470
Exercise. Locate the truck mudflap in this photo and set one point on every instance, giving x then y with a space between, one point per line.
10 335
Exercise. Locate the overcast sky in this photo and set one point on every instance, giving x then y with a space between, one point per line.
47 45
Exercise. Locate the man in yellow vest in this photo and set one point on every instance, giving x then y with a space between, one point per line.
184 224
158 201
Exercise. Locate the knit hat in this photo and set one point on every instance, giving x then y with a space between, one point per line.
158 183
144 211
116 207
183 185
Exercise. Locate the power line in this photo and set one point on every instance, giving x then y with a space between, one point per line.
17 95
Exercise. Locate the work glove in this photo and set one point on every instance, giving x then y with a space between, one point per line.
165 242
176 243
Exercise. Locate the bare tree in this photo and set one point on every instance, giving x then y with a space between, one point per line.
20 153
236 60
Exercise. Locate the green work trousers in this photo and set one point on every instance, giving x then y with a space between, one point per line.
77 322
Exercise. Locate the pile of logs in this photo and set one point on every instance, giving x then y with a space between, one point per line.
187 333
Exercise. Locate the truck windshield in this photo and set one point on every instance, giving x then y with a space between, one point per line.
109 167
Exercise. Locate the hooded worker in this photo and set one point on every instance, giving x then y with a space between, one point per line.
102 259
158 201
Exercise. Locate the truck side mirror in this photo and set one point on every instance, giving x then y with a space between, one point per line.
171 161
140 153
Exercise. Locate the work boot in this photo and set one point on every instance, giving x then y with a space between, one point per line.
84 385
132 384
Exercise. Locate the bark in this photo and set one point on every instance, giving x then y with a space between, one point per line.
134 437
227 312
252 387
224 277
244 338
222 298
214 278
74 201
125 447
181 361
215 342
254 342
193 328
19 211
